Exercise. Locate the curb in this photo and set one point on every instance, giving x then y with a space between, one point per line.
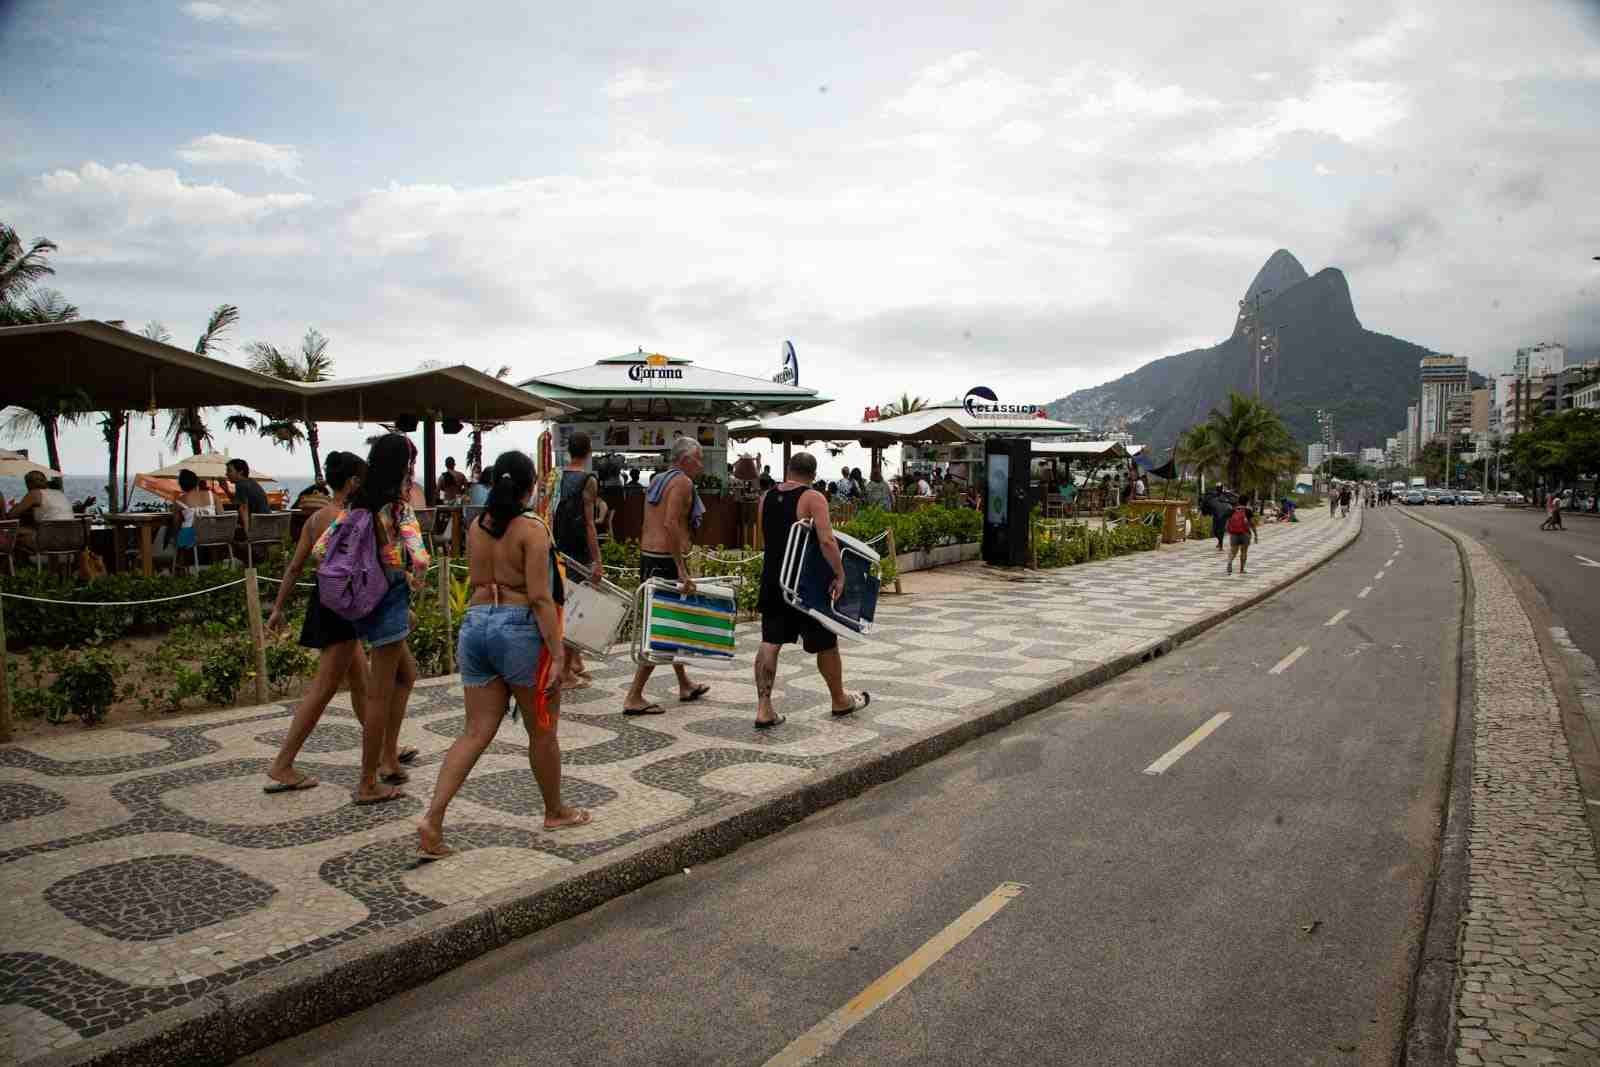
300 996
1431 1011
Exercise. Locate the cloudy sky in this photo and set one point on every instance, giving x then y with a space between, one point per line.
923 201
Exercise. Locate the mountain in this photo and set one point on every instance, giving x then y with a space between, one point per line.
1326 360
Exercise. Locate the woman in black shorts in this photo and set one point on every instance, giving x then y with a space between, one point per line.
339 653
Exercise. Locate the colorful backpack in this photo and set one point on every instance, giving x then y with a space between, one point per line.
351 581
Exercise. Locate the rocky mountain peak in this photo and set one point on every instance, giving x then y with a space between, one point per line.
1278 273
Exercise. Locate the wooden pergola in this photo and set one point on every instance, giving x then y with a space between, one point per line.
112 369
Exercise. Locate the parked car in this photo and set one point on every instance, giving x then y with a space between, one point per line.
1416 496
1431 496
1513 497
1471 496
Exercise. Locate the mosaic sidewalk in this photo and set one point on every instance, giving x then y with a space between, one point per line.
1528 980
142 868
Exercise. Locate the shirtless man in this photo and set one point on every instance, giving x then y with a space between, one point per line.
664 553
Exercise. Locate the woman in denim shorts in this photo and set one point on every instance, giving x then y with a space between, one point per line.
510 646
386 627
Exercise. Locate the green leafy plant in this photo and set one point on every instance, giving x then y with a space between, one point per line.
86 686
286 662
225 668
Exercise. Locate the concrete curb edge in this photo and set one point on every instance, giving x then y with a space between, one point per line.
1431 1009
300 996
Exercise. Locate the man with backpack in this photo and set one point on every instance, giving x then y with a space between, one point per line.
1241 527
572 522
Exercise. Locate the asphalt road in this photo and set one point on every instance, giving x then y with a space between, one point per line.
1251 904
1549 560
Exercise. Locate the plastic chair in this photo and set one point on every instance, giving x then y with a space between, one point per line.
425 519
59 538
214 531
268 529
8 544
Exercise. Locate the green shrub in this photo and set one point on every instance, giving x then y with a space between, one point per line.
287 661
225 668
86 686
1200 528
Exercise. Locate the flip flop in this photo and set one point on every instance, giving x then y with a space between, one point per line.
381 798
779 721
582 820
407 755
305 782
429 855
648 709
397 778
695 694
855 705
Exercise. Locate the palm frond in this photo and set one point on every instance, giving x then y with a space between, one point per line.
157 332
20 270
221 321
316 365
240 423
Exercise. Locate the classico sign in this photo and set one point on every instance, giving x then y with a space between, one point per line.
790 374
982 403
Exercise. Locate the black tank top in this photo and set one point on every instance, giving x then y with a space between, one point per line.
778 512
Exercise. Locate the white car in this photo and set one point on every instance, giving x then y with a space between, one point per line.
1513 497
1471 496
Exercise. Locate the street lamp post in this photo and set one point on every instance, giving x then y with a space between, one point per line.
1249 317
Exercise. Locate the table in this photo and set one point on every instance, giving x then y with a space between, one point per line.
146 523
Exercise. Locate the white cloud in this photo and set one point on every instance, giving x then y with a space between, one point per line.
954 94
240 12
215 149
1127 95
636 81
1019 133
1322 169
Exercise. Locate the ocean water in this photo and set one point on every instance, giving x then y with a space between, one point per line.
78 486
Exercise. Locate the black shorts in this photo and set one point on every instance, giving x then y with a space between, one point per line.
1240 539
785 626
322 627
664 567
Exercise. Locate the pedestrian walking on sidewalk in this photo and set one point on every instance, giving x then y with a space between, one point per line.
783 505
572 520
379 525
510 646
1333 501
339 654
1219 506
1241 529
671 509
1344 502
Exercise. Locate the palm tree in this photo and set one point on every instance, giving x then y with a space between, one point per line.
313 364
42 414
904 406
190 422
20 270
475 449
1248 443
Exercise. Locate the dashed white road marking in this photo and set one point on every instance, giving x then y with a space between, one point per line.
1363 594
1585 561
815 1042
1335 620
1288 661
1379 576
1182 748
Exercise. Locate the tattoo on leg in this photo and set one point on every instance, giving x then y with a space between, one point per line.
766 674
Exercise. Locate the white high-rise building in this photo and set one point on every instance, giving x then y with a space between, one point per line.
1536 361
1372 457
1413 433
1442 378
1315 454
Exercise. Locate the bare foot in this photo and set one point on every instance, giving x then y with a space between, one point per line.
566 818
430 842
377 796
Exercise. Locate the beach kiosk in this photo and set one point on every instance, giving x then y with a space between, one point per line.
966 459
635 405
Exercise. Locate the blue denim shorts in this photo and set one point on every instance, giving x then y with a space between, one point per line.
499 642
390 621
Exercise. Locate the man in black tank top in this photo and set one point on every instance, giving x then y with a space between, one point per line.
781 507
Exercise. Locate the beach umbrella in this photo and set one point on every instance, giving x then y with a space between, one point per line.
212 466
16 465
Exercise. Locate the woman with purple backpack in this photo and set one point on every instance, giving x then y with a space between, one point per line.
370 556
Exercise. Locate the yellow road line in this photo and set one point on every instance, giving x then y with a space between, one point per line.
815 1042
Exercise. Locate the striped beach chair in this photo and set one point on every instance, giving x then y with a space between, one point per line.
674 628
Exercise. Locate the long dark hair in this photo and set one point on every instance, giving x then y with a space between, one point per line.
387 465
512 479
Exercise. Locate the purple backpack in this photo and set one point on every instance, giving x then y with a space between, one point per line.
351 582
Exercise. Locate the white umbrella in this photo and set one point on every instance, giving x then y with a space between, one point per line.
208 465
16 465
